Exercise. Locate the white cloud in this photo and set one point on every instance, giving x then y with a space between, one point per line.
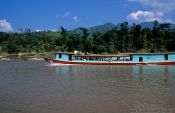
38 30
147 16
5 26
162 5
158 11
69 16
53 30
75 18
67 13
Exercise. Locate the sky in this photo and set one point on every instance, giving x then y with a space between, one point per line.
51 14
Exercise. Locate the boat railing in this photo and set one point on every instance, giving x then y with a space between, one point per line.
122 57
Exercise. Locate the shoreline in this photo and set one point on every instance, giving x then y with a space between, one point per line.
24 56
29 59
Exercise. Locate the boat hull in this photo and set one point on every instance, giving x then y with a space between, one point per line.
53 61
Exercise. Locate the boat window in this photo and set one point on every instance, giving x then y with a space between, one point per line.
140 59
70 57
166 56
60 55
131 58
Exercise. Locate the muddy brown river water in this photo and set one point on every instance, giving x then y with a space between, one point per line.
37 87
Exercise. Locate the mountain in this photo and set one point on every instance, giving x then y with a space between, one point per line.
151 25
172 25
108 26
100 28
147 25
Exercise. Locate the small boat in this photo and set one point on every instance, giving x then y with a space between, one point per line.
121 59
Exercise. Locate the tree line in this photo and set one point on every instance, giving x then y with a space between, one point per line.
123 38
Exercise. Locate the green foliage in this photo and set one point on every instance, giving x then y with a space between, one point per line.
119 39
27 56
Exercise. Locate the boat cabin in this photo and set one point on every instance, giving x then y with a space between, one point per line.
91 57
152 57
135 57
63 56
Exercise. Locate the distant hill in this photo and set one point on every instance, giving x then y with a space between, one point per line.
173 25
108 26
100 28
147 25
151 25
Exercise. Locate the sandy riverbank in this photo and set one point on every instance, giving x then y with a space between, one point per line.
32 59
24 56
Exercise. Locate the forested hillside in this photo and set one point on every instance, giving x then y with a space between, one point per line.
123 38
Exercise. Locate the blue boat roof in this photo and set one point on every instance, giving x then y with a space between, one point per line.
152 53
67 53
70 53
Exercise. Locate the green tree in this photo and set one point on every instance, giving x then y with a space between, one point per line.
138 41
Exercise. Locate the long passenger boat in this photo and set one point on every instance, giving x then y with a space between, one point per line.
123 59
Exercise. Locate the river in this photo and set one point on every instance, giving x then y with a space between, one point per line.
37 87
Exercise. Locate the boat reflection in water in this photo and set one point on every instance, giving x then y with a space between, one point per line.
139 86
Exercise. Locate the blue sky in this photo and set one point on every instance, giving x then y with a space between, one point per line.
51 14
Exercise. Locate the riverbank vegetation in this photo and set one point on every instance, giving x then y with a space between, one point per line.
25 56
123 38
